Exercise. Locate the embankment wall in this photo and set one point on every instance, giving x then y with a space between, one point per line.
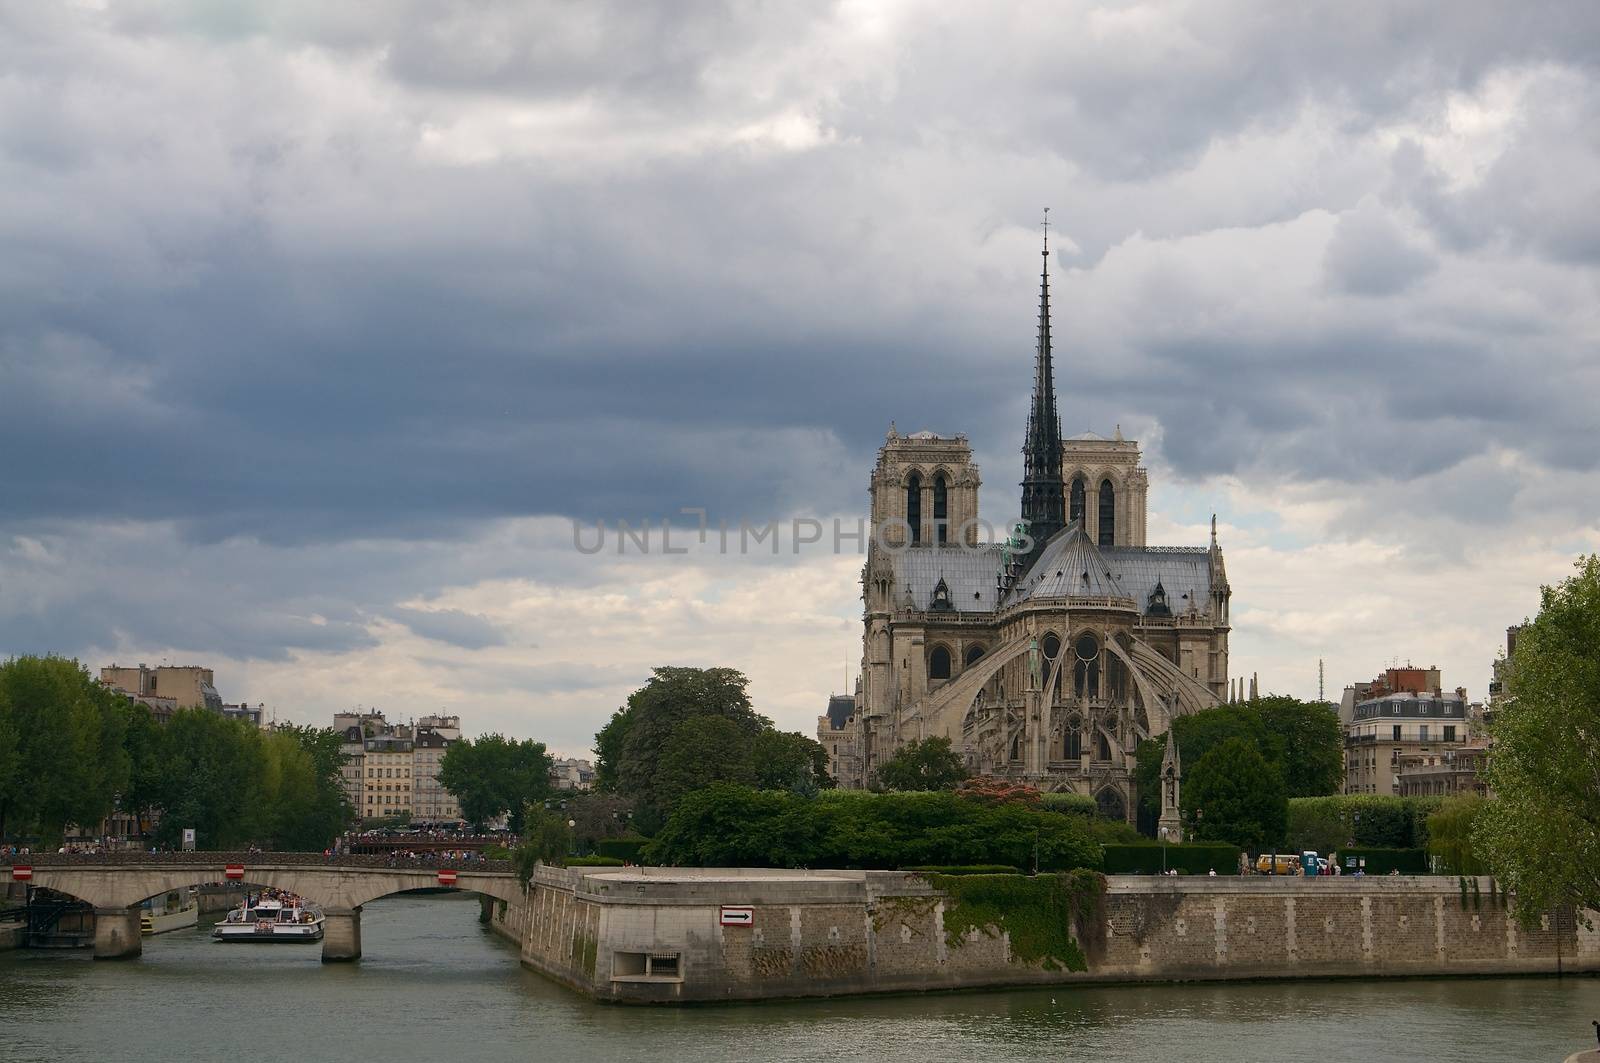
656 935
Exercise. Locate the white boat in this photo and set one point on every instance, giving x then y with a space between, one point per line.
173 910
271 918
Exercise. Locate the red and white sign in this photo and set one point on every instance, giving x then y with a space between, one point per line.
738 916
447 878
21 873
234 871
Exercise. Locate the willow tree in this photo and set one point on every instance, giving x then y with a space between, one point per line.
1541 835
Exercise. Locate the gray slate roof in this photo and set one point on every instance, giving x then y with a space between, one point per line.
1184 573
969 573
1070 566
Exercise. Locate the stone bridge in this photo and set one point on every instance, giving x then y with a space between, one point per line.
116 884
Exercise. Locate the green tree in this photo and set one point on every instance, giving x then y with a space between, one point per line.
492 774
214 779
1234 795
700 751
546 838
304 794
1541 834
64 735
788 760
1311 740
924 764
656 710
142 738
1450 834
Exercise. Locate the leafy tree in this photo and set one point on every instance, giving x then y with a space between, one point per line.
1312 742
492 774
142 738
702 750
213 772
789 760
598 816
1234 795
656 710
608 746
546 838
63 740
1450 834
303 792
1541 834
924 764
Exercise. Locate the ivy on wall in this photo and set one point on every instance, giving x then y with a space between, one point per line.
1039 914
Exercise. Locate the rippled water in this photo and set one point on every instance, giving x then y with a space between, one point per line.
435 987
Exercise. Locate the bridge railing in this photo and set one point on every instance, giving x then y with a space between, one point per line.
421 861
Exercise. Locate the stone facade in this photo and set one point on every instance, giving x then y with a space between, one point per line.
1045 659
655 935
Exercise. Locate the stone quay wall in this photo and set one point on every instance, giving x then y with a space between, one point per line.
658 935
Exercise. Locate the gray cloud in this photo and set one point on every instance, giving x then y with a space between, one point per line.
470 631
321 293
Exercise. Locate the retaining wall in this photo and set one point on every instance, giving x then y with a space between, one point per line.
655 935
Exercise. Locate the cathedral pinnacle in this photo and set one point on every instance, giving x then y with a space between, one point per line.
1042 495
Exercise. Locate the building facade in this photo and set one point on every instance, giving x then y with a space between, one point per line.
432 802
387 761
570 773
188 686
1384 730
1047 656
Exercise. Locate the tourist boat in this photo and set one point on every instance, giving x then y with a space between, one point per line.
173 910
271 917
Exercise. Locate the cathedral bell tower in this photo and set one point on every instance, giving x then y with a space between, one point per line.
1043 502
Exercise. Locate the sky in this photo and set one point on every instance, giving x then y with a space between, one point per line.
322 325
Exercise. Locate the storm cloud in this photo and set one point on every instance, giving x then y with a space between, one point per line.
315 301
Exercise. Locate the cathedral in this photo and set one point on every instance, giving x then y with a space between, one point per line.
1045 658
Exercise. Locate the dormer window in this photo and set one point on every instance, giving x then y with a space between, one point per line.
1157 604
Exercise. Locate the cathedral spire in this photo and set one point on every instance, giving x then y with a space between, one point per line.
1042 496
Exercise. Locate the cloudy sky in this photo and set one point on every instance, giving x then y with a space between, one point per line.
320 324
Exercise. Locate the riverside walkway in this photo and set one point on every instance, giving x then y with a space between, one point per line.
117 883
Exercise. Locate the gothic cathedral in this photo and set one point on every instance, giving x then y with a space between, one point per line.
1045 658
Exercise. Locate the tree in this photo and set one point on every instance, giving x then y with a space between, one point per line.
1312 742
924 764
1197 734
1450 834
214 779
700 751
492 774
63 735
1541 834
788 760
656 710
1234 795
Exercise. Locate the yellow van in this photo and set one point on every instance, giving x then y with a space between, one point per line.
1277 864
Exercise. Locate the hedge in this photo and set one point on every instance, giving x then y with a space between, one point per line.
625 849
593 861
1382 861
1371 821
967 869
1191 858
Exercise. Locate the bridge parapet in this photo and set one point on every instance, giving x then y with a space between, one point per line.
426 861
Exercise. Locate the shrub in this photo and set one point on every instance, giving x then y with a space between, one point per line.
594 861
731 826
1382 861
1078 804
1369 820
1193 858
626 849
967 869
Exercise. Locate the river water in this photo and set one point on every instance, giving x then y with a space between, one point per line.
435 986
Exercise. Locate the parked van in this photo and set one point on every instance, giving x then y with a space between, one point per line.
1277 864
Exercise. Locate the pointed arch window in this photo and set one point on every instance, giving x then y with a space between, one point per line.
1074 743
1076 500
974 654
914 505
1108 514
941 503
939 663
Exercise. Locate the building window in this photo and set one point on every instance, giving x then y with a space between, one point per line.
974 653
1396 733
1075 504
1424 732
914 505
939 663
941 502
1449 733
1108 514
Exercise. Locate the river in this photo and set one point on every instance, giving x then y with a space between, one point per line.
434 986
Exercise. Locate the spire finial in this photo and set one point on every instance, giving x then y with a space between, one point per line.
1046 251
1213 531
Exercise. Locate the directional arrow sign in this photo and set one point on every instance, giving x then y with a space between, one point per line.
738 916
